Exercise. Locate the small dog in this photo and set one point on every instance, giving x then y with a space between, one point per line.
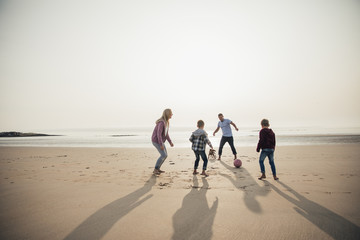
212 153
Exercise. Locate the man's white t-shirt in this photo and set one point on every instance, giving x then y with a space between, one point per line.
225 127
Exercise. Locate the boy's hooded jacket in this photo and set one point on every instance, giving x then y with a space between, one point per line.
199 139
198 132
267 139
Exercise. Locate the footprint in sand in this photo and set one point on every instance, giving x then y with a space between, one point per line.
163 184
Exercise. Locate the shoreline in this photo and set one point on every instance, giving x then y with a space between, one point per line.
175 147
180 140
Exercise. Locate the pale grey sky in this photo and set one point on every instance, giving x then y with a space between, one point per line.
89 63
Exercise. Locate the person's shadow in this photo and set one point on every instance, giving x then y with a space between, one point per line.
242 180
194 220
100 222
328 221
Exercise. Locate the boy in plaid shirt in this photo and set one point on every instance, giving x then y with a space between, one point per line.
199 139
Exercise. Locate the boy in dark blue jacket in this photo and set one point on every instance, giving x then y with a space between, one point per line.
267 143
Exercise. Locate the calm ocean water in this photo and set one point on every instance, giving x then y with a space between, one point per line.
141 137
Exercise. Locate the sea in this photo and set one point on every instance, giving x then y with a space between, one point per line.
140 137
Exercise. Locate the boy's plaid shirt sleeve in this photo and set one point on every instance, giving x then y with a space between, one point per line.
207 141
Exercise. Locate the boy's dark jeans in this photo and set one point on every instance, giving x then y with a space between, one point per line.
267 152
204 158
224 140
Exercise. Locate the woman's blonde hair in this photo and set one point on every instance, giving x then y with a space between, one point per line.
165 116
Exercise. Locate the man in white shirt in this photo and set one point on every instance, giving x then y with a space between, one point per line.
224 124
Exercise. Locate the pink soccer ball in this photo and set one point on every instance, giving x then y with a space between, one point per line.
237 163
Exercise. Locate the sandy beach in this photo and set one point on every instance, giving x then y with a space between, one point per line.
111 193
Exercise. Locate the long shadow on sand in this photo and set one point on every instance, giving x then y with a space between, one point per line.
194 220
328 221
99 223
242 180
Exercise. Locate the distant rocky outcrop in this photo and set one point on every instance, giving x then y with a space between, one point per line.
20 134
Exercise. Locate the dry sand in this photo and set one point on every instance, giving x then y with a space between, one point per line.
95 193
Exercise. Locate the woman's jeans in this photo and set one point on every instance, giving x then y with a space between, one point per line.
163 155
267 152
224 140
204 158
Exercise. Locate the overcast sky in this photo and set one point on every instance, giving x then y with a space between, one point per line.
73 63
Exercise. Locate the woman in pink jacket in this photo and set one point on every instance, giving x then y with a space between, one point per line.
159 136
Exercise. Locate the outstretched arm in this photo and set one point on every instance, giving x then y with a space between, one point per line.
208 142
234 126
169 140
216 130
